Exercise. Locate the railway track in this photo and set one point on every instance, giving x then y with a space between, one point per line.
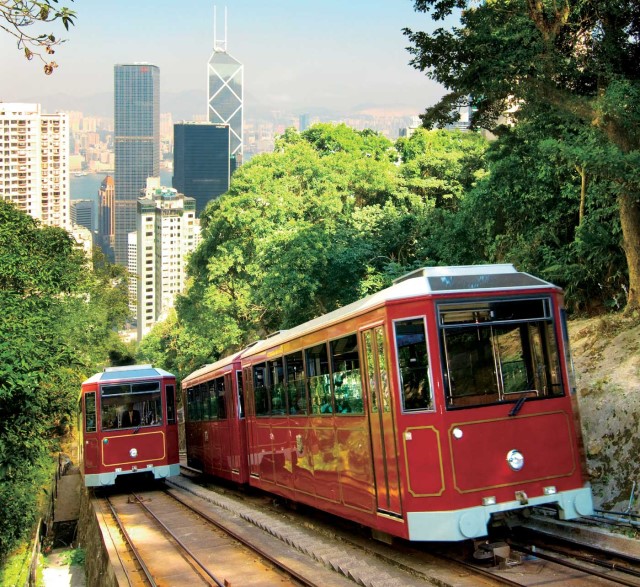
528 564
164 542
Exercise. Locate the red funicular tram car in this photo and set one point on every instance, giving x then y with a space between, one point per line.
129 424
215 423
421 411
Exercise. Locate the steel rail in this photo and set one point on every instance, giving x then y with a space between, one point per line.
576 567
182 545
129 541
279 564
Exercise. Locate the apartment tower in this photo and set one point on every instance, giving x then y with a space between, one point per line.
137 143
167 231
34 162
225 92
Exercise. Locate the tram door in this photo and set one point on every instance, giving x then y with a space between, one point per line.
385 460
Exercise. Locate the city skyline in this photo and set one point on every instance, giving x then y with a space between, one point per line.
331 55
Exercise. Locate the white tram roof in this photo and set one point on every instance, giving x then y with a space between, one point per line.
211 367
128 372
422 282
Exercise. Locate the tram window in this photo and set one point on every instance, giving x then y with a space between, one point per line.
319 380
131 405
513 353
296 391
189 394
371 369
115 389
171 404
90 412
198 408
347 385
276 387
240 394
260 393
413 364
382 369
221 402
209 401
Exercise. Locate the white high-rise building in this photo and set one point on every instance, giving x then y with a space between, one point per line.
167 231
34 162
132 267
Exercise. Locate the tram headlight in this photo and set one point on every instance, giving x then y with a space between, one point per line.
133 453
515 459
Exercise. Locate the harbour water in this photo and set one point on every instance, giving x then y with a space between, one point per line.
85 187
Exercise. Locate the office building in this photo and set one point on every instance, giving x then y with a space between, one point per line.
201 165
82 213
137 143
167 231
225 92
106 216
34 162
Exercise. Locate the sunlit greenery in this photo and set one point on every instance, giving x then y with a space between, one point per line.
60 312
569 74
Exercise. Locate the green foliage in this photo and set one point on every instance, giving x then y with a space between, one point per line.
160 347
58 325
571 69
19 492
526 212
327 218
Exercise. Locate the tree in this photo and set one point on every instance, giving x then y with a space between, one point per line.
57 326
20 15
578 59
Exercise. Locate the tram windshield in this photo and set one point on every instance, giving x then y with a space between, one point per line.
131 405
497 351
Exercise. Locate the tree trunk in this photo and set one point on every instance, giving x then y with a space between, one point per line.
630 222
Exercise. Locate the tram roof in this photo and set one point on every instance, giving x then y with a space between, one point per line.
211 367
129 372
422 282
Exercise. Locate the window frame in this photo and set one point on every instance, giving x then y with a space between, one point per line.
430 379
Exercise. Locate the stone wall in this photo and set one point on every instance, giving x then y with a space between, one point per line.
94 537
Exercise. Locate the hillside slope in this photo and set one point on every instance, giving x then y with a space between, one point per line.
606 353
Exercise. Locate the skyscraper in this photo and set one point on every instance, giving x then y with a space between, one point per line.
167 231
82 213
225 92
201 165
34 162
106 216
137 143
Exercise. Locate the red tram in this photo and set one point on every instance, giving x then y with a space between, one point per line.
421 411
129 424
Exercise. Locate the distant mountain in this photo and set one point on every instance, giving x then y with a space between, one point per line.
188 104
95 105
182 105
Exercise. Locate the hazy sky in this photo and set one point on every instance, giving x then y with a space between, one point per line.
297 54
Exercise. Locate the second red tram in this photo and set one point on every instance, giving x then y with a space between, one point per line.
129 425
421 411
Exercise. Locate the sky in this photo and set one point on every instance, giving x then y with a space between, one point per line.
297 54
